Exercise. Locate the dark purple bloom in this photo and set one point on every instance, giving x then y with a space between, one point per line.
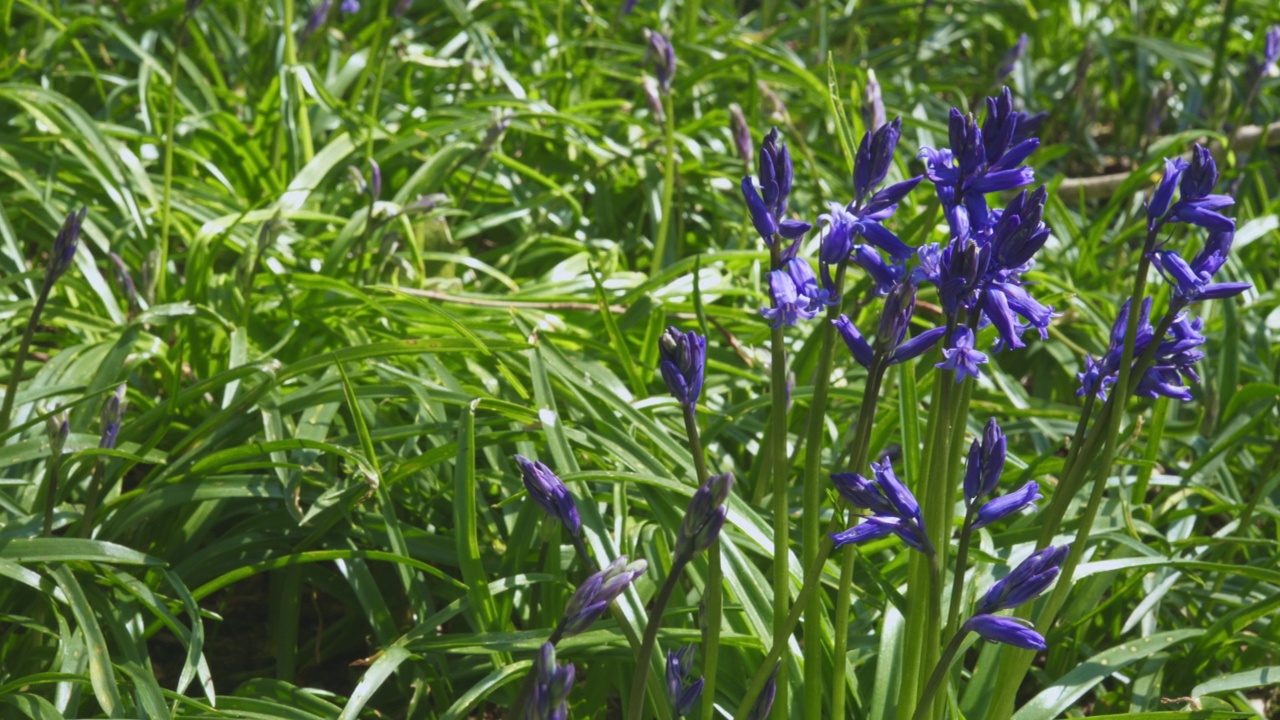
873 115
375 177
682 694
986 462
1019 233
349 7
1006 505
664 58
764 703
1010 59
1163 195
768 207
789 307
1025 582
1172 362
886 276
551 686
806 283
682 359
894 509
112 416
1194 281
741 134
704 517
961 358
550 493
1196 205
916 346
858 346
593 596
64 246
875 154
1008 630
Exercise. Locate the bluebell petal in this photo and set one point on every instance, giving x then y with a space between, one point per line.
1007 630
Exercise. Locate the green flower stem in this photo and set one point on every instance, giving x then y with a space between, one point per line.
962 562
811 516
668 188
812 577
19 361
91 504
635 708
1159 414
939 674
713 592
51 490
781 520
291 62
844 591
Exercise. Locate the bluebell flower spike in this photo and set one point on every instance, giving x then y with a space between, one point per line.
550 493
893 508
64 245
986 462
961 357
682 694
551 686
768 206
593 596
704 517
682 360
1025 582
112 415
664 58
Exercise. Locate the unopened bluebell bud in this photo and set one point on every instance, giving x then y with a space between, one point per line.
682 694
741 134
1006 505
1025 582
550 493
551 686
682 359
704 517
112 415
595 593
125 282
764 703
64 246
873 115
1008 630
986 462
59 429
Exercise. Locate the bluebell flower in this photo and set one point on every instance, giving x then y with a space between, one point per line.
664 58
801 274
1172 364
985 463
960 357
704 517
1024 583
349 7
893 508
1019 233
1008 630
682 694
112 416
764 703
895 319
1193 281
1270 50
741 134
682 359
875 154
1010 59
551 686
858 346
550 493
789 306
1196 204
593 596
873 115
768 211
64 246
1008 504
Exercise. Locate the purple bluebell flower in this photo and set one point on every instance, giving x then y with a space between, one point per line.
875 154
768 211
895 319
704 517
1270 50
873 115
682 694
789 306
551 686
764 703
1172 363
682 359
960 357
741 134
64 246
894 509
664 58
1008 630
1024 583
1193 281
801 274
1162 197
550 493
318 16
112 416
1010 59
593 596
1006 505
349 7
1019 233
375 178
986 462
858 346
1196 204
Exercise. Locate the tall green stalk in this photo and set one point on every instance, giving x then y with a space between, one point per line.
781 520
668 187
635 708
713 592
24 347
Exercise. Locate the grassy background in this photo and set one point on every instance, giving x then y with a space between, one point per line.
313 508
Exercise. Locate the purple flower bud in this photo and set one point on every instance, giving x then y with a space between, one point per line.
1163 194
349 7
112 416
1011 58
1200 176
318 17
1270 50
789 306
837 240
704 517
768 208
593 596
741 134
1008 630
125 283
375 175
664 58
1025 582
682 361
986 462
1006 505
64 245
764 703
551 686
59 430
550 493
873 115
861 350
682 694
862 493
916 346
961 357
895 317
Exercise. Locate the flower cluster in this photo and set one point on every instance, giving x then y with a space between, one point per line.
1173 361
1025 583
682 694
894 509
664 58
551 686
64 246
682 361
704 517
550 493
768 206
593 596
982 475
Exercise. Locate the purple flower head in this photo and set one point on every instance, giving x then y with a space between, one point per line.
1025 582
595 593
112 416
1172 363
664 58
1163 194
1194 281
551 686
1019 233
704 517
682 694
961 358
895 318
894 509
858 346
873 115
986 462
768 207
764 703
840 226
550 493
741 134
789 306
801 274
682 359
1006 505
1270 50
875 154
64 246
1010 59
1008 630
349 7
1196 205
